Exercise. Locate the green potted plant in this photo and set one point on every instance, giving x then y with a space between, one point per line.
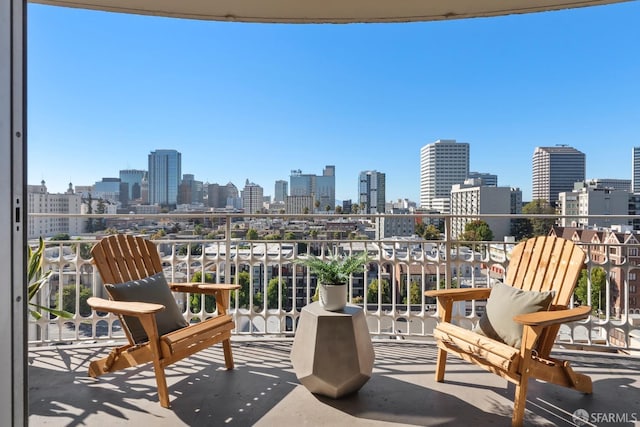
333 275
36 278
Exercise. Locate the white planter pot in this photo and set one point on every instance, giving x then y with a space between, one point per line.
332 297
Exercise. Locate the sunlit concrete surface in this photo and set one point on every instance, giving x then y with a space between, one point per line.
263 390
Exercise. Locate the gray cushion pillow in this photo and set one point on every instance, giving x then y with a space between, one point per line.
503 304
153 289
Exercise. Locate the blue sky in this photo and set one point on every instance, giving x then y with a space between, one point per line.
254 101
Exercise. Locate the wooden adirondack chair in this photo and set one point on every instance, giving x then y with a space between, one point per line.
124 258
539 264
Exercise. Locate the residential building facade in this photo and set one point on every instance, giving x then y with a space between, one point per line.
590 199
472 199
39 200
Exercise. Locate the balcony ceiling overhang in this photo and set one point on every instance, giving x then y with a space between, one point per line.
325 11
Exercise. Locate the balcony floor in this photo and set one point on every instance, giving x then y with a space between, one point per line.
264 391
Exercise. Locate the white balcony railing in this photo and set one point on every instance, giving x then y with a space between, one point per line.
270 307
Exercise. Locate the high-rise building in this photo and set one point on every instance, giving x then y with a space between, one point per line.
371 192
612 183
190 190
443 164
321 187
111 189
487 179
635 170
133 178
555 170
252 196
165 171
281 191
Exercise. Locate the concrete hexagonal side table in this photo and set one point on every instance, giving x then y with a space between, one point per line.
332 353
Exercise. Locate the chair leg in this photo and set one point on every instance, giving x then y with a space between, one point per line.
161 381
441 364
228 355
519 402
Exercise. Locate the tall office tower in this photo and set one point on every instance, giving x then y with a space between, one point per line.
281 191
165 171
443 164
216 196
133 178
322 187
111 189
371 192
325 190
487 179
556 170
635 170
252 196
190 190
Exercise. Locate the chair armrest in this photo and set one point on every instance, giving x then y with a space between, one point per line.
124 307
202 288
547 318
460 294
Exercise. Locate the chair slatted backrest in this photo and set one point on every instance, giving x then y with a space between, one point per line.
542 264
121 258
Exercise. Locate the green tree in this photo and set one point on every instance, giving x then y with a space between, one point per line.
244 280
327 208
69 299
252 234
521 229
477 230
598 288
338 209
316 204
431 233
372 292
415 296
272 292
101 208
90 228
305 210
539 226
209 300
61 236
289 235
198 230
355 208
158 234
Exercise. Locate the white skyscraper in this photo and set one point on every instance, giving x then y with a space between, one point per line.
555 170
252 195
443 164
635 170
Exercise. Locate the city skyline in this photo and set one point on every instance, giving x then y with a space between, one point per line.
253 101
